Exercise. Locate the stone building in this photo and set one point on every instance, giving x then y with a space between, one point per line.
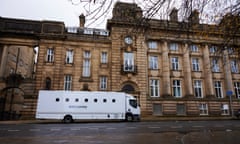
17 66
173 68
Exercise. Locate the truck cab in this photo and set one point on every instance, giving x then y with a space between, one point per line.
132 109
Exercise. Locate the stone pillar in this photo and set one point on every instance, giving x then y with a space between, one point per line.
227 72
187 72
166 71
208 81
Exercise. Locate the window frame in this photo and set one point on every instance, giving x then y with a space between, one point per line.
215 65
237 89
176 88
194 48
154 88
195 64
225 109
234 66
50 55
68 82
175 63
198 89
218 89
153 62
86 64
213 49
128 61
203 109
173 47
103 82
69 57
104 57
152 45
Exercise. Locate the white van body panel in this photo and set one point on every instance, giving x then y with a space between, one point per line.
84 105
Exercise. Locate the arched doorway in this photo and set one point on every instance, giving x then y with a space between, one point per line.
128 88
11 99
131 88
48 83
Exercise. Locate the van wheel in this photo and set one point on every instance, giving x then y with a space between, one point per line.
129 118
68 119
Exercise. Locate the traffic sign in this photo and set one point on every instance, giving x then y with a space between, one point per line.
229 93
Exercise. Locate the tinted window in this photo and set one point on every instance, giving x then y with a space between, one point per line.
133 103
57 99
104 100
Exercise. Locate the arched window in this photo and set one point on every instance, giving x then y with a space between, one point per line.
48 83
128 88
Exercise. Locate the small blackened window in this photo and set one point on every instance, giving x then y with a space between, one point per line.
95 100
67 99
86 100
113 100
76 100
104 100
48 83
57 99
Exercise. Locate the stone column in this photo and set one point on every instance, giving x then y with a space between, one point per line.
166 92
227 72
187 72
208 81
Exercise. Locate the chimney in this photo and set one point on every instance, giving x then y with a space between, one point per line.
174 15
81 21
194 17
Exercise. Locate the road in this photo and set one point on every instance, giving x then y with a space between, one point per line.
165 132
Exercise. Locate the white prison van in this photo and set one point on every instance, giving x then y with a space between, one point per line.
86 105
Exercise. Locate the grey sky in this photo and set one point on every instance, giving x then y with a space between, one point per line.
65 11
56 10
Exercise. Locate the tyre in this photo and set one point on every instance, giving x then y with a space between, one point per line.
68 119
129 118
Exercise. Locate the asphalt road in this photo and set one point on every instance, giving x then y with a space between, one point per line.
166 132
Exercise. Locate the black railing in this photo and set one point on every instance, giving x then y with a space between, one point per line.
128 69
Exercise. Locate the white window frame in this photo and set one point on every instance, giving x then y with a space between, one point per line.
67 82
234 66
50 55
104 57
230 50
195 64
152 45
194 48
176 87
225 109
218 89
153 62
198 90
128 61
215 65
69 57
103 83
86 64
175 63
213 49
203 109
173 46
237 89
154 87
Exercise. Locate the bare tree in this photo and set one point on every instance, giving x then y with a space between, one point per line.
225 13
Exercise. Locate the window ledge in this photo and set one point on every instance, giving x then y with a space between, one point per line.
85 79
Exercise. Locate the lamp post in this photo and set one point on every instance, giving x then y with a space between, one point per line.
229 94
